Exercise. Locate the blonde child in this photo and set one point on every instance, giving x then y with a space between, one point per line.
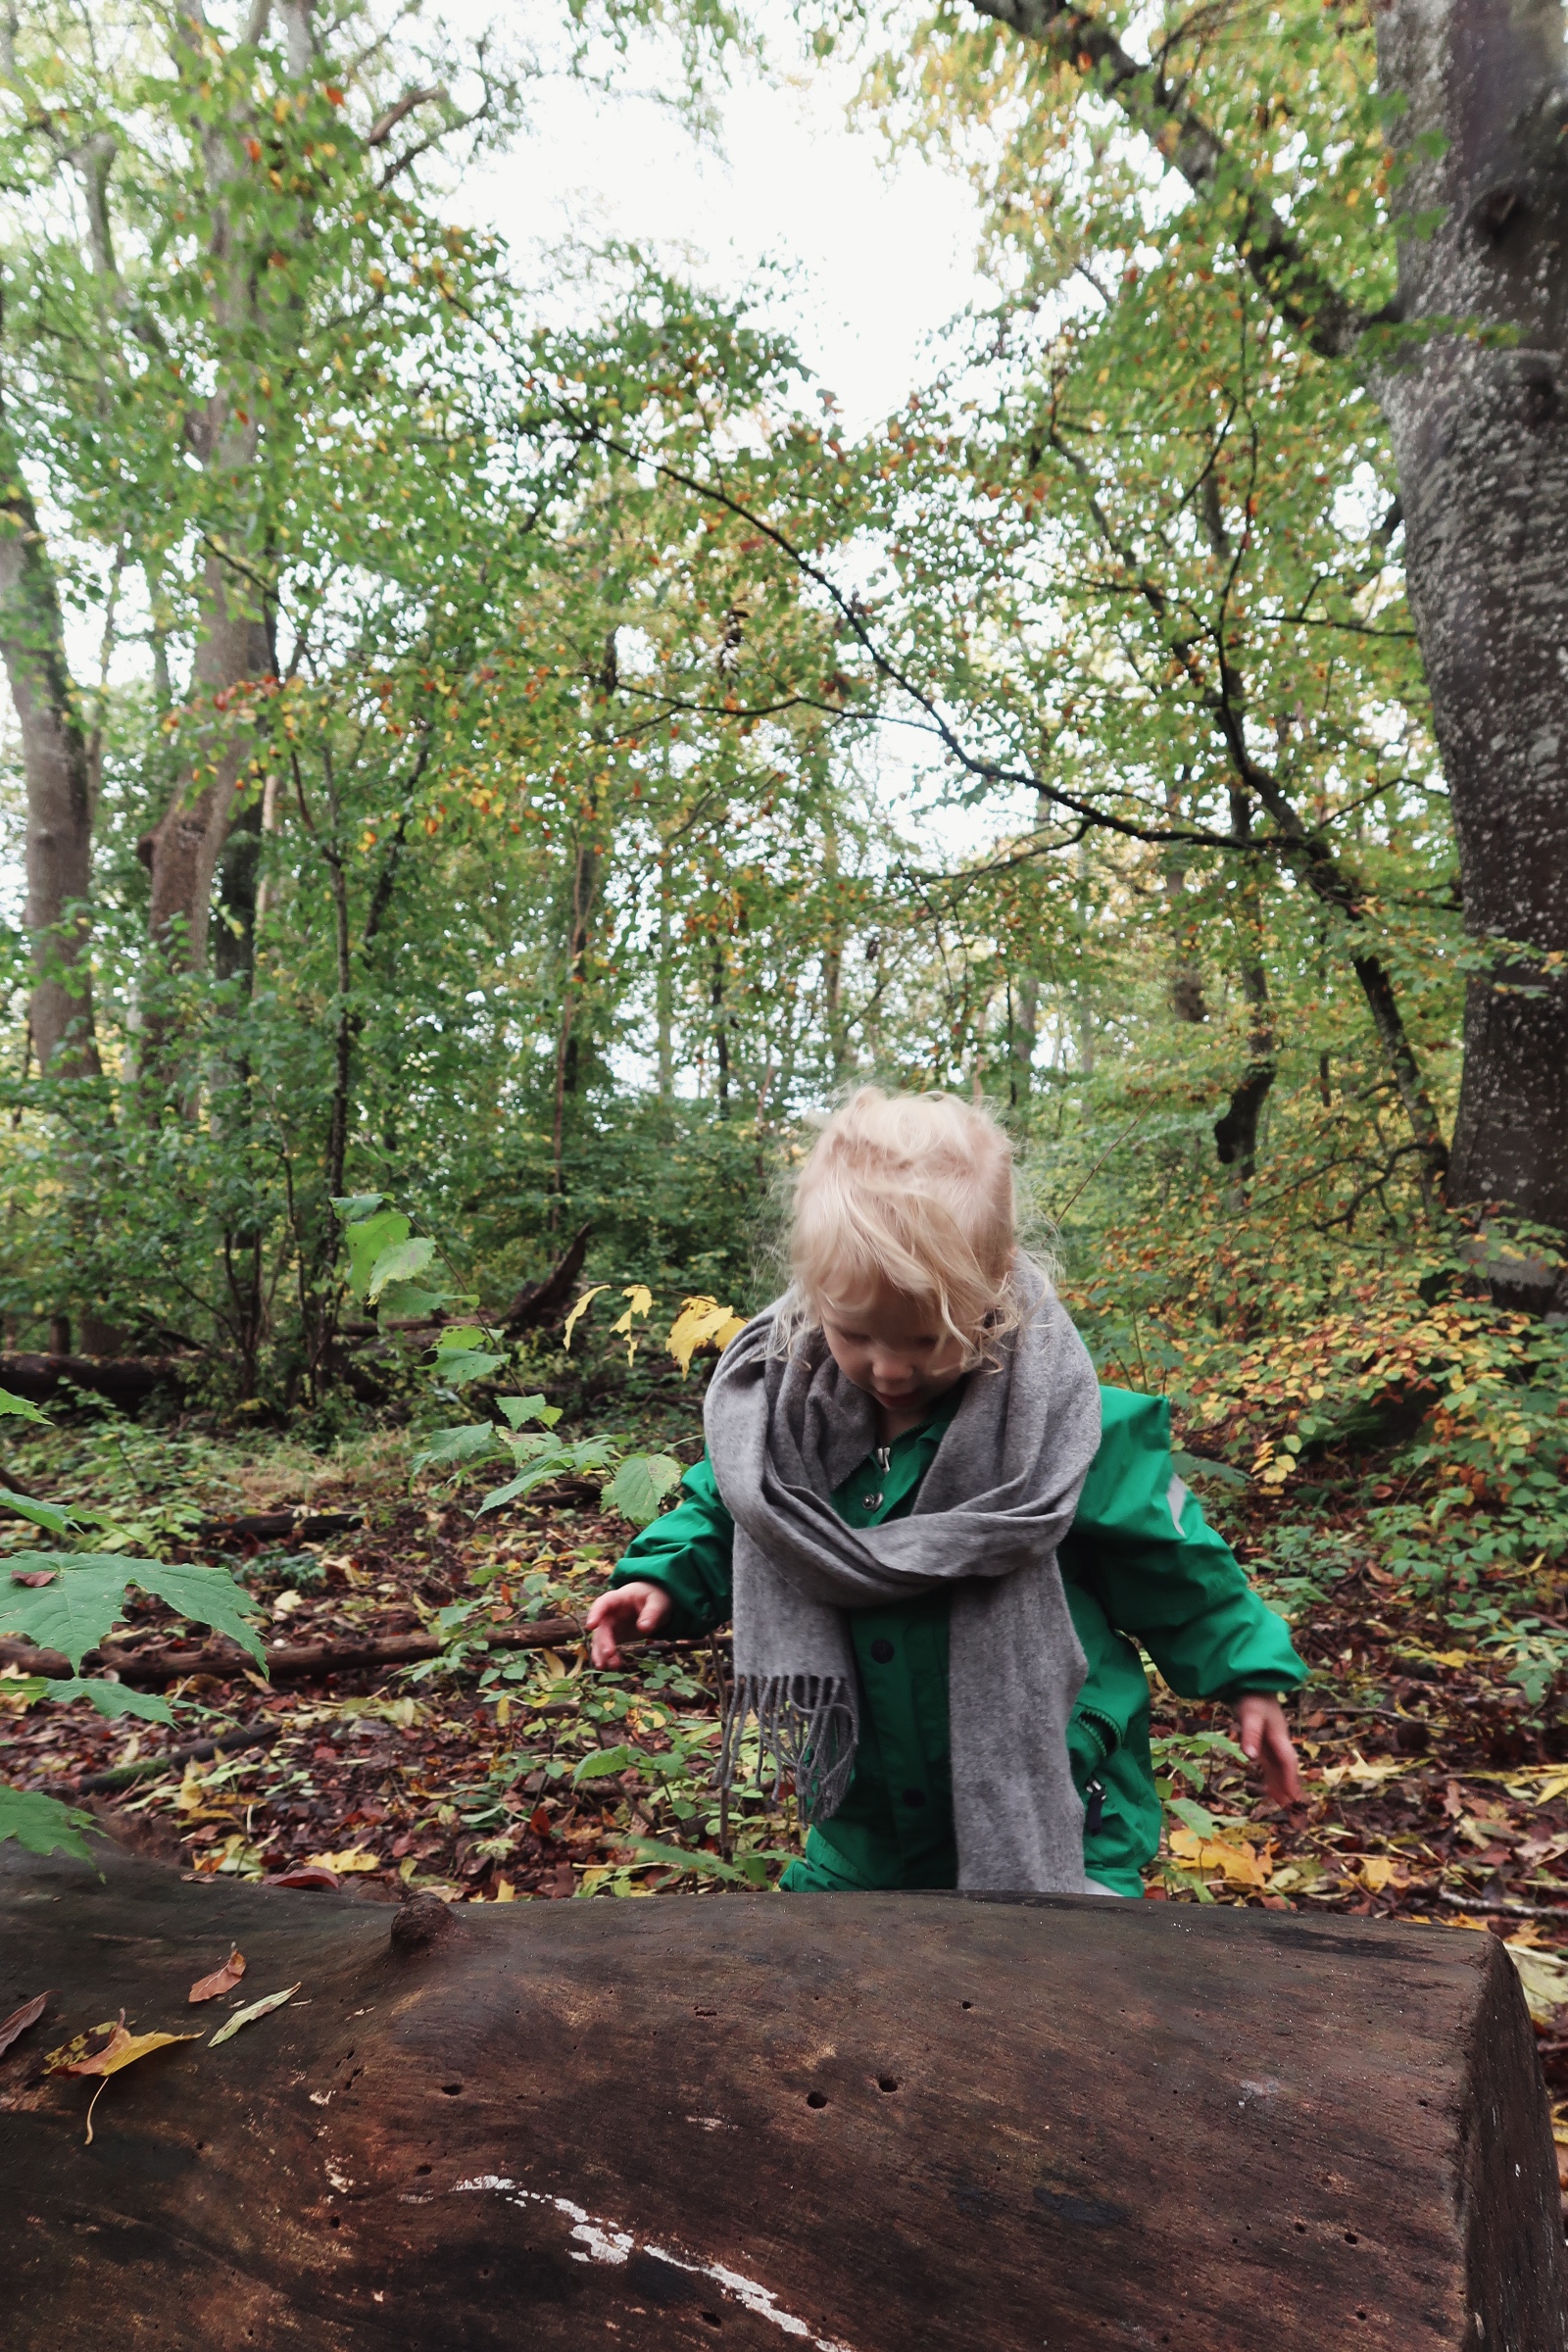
898 1454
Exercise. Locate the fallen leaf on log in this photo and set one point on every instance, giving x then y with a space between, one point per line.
16 2025
307 1875
223 1980
121 2049
248 2017
33 1576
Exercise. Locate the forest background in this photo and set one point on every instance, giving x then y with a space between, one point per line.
495 747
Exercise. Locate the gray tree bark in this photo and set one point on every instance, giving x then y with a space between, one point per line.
1479 423
54 753
1480 435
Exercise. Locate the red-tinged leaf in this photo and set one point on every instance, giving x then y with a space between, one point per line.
223 1980
16 2025
302 1877
120 2050
33 1576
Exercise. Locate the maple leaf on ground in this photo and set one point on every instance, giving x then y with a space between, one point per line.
121 2049
223 1980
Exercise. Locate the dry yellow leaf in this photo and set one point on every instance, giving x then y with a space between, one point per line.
1238 1863
701 1320
120 2050
1378 1872
581 1309
506 1892
356 1858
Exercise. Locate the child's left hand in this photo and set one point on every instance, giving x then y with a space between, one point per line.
1260 1725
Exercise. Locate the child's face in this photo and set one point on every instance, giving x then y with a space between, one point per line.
894 1347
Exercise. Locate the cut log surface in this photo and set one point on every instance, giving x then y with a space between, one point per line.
856 2123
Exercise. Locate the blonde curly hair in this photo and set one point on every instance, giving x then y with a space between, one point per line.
917 1191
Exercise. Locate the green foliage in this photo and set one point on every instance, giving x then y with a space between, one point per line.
85 1599
42 1825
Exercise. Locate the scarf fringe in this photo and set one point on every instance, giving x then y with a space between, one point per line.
807 1726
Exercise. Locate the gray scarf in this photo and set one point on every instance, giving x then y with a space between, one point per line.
783 1431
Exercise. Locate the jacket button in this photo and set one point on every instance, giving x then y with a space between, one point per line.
882 1651
914 1797
871 1503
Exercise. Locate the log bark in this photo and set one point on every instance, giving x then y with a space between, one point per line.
125 1380
861 2123
546 1301
162 1662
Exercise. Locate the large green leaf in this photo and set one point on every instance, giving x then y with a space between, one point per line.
87 1599
457 1366
112 1699
369 1239
522 1409
42 1823
18 1408
448 1446
50 1516
401 1262
640 1486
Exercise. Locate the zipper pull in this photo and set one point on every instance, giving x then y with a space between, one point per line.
1095 1809
884 1458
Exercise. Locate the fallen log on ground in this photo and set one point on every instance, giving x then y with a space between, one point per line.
867 2122
125 1380
167 1662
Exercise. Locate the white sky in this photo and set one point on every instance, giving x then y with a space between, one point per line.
881 254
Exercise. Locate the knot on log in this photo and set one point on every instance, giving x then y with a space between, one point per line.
420 1924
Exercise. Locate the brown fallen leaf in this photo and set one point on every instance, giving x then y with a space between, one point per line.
33 1576
120 2050
16 2025
223 1980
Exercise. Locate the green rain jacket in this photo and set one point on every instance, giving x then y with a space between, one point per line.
1141 1565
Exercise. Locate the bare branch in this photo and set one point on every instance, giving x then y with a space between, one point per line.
381 130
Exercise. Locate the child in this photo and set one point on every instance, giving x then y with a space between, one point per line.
895 1453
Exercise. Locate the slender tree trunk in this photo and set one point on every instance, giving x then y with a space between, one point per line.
1236 1130
664 984
55 760
1481 440
1025 1028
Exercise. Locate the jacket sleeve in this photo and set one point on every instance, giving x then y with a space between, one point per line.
1142 1545
689 1550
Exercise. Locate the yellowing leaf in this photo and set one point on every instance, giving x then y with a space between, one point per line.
1238 1863
506 1892
1365 1775
248 2017
355 1857
223 1980
701 1321
1378 1872
581 1309
1544 1979
120 2050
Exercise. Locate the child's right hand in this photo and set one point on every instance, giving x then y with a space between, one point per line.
628 1608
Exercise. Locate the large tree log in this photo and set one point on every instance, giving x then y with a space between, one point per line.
166 1662
868 2123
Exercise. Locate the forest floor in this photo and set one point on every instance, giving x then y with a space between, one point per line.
1435 1789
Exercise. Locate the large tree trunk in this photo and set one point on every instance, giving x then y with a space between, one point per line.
858 2123
54 754
184 847
1481 438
